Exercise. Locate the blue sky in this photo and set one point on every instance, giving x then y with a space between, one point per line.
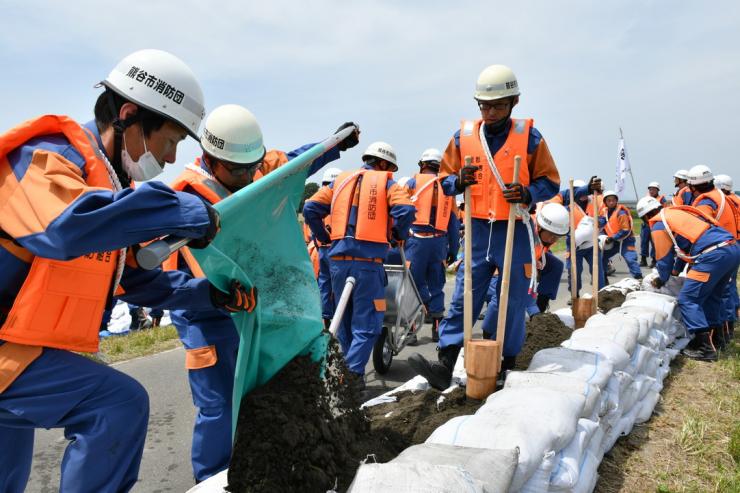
667 72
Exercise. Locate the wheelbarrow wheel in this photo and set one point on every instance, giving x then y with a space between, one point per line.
382 353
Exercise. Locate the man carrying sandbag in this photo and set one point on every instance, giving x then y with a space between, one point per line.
620 239
492 141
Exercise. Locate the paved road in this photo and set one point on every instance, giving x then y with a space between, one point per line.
166 465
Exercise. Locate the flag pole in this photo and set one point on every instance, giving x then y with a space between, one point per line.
629 170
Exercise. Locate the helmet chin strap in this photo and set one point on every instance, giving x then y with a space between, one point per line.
119 126
499 126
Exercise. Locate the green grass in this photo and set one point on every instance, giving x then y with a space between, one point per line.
136 344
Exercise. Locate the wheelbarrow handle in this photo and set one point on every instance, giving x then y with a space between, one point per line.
151 256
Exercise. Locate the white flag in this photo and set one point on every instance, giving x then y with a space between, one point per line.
623 165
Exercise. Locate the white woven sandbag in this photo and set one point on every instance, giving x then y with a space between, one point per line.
540 480
583 365
647 405
616 389
559 383
606 348
639 360
626 337
566 472
566 316
414 478
493 468
537 422
588 476
645 318
629 323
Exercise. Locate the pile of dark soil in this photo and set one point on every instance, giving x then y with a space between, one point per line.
610 299
302 433
543 331
416 414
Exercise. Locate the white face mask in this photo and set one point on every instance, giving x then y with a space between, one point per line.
146 168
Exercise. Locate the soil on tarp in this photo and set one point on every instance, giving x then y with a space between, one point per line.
302 433
543 331
611 298
415 415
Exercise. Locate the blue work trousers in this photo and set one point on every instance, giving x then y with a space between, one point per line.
626 248
362 321
324 280
585 254
647 248
700 299
488 242
211 385
427 258
104 414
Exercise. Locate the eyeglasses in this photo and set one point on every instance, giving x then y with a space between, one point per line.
240 169
496 106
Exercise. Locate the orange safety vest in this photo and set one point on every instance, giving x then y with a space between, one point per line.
612 223
686 221
365 190
726 212
486 196
429 194
678 198
61 302
313 254
206 186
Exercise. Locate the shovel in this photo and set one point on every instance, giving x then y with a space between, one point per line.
581 307
595 259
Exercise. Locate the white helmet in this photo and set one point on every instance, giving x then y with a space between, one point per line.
654 184
496 82
610 192
699 174
160 82
403 180
681 174
330 175
647 204
383 151
554 218
723 182
431 154
579 183
232 134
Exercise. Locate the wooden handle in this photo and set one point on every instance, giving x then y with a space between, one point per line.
595 259
573 271
505 273
468 265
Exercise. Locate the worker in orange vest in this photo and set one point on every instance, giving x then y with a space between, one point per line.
683 193
647 249
68 215
732 301
368 212
619 237
233 157
686 235
493 141
435 236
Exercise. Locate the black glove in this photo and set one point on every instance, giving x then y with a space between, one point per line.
352 139
451 259
466 177
396 240
594 184
609 240
657 283
238 299
516 193
213 228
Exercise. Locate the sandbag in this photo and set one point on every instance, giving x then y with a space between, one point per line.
540 480
606 348
631 324
556 382
566 472
645 318
647 405
566 316
494 468
583 365
616 389
414 478
588 476
625 337
639 359
537 422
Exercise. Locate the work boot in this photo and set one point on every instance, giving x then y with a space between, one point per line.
156 321
639 278
643 261
139 320
652 263
439 375
435 329
543 302
610 269
730 333
327 323
700 347
718 337
411 339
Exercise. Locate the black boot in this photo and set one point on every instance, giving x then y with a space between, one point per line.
435 329
327 323
700 347
652 263
543 302
730 332
718 337
439 375
643 261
